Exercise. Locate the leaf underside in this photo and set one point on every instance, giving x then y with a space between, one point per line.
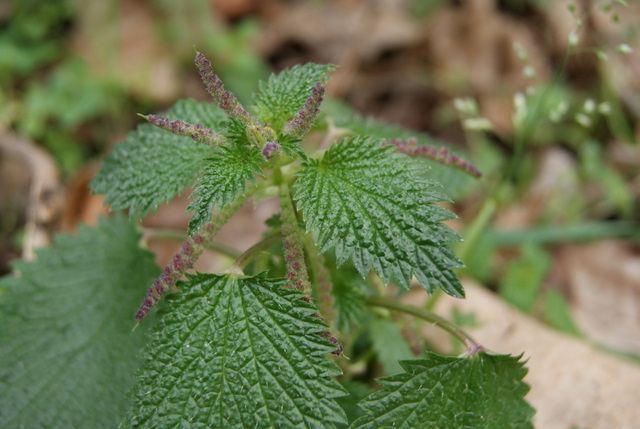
237 352
224 177
282 95
67 353
153 165
478 392
371 205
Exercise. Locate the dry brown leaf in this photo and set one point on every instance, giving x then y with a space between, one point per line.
35 189
602 281
471 50
82 206
572 383
121 41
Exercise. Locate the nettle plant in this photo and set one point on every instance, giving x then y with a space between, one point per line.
293 332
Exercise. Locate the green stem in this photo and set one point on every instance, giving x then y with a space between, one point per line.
322 279
523 132
472 236
472 345
188 254
174 235
292 242
243 259
474 231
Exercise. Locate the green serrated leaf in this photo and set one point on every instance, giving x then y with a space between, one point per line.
153 165
67 353
348 292
369 203
282 95
291 145
225 176
237 352
389 345
236 132
481 392
357 392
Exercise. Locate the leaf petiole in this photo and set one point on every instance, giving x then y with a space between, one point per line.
243 259
149 234
472 346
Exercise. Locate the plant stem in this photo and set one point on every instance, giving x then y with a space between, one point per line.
294 252
297 272
243 259
473 233
322 279
472 236
189 252
174 235
472 345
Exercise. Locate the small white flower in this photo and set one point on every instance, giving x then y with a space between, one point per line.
557 113
623 48
467 106
477 124
604 108
574 39
589 105
583 120
520 108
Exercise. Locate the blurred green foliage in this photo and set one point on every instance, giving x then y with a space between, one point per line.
592 197
33 35
49 93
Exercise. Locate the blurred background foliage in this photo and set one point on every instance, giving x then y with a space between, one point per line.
543 96
74 74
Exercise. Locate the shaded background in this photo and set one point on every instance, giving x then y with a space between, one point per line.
544 97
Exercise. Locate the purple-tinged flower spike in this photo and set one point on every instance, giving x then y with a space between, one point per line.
293 248
322 279
223 98
186 257
300 124
441 155
271 149
327 335
325 298
182 261
196 131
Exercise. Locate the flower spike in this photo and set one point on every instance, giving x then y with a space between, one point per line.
270 149
186 257
300 124
441 155
196 131
222 97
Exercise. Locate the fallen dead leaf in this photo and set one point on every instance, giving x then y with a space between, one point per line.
38 180
602 281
